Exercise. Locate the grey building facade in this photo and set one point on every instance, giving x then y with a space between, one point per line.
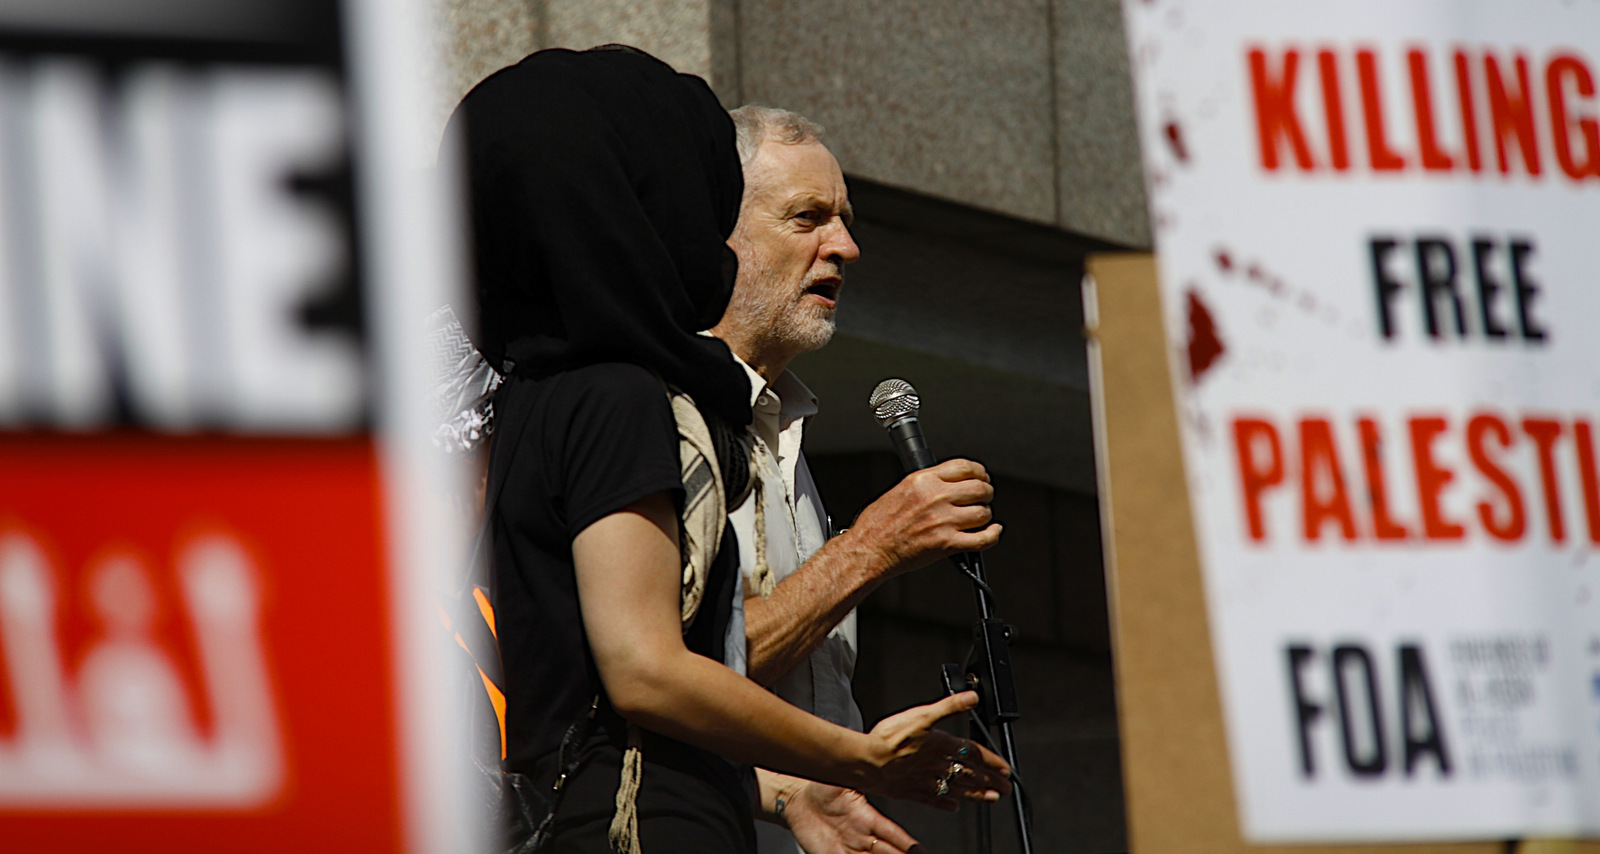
990 146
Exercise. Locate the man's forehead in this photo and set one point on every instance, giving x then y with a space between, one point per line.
792 172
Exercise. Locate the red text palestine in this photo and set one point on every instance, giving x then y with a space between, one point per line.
1344 489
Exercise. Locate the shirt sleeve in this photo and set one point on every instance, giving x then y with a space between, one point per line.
620 443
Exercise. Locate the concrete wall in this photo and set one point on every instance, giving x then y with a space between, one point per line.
1006 105
1020 107
477 37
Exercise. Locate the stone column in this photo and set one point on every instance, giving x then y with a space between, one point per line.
477 37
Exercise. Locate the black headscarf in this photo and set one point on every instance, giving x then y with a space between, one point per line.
604 187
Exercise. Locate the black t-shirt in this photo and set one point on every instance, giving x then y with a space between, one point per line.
589 442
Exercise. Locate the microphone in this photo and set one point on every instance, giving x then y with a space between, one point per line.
895 404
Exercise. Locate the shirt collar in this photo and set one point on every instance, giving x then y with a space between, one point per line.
794 399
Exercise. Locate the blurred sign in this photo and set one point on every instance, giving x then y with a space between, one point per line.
173 236
1376 233
206 639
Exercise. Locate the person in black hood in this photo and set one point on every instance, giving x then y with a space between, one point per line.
604 188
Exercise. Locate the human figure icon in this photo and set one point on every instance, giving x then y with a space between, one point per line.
223 601
43 738
135 704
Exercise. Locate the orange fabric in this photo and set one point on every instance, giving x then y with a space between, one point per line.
497 698
485 609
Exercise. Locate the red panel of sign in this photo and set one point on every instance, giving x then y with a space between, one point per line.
194 646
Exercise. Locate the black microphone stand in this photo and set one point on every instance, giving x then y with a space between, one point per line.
895 405
988 671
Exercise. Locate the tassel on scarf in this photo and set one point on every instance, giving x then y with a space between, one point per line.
624 832
762 578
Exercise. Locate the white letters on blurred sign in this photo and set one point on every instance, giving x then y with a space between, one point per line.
147 227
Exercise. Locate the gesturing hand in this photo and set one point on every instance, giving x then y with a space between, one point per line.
830 820
933 767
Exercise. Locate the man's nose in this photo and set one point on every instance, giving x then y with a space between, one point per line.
838 246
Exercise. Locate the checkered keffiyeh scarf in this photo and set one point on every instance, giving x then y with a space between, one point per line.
463 386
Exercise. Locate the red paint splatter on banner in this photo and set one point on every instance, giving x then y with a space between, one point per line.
1224 261
1205 347
1174 136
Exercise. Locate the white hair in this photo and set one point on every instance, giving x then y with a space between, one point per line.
755 124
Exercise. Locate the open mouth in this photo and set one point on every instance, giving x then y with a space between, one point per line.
826 290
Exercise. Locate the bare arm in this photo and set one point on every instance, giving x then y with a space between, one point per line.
927 516
627 572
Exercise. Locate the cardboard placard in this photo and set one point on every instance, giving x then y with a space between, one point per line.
1178 782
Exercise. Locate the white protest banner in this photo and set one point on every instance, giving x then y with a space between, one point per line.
1378 232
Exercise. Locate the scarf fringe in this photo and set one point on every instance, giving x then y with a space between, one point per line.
624 832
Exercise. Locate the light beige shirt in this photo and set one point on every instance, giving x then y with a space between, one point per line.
797 525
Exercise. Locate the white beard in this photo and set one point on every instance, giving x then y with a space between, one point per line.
775 317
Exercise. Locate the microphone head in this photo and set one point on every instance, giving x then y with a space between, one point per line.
893 400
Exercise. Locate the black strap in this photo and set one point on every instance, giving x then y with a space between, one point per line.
568 758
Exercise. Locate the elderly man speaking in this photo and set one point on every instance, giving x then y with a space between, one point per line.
793 241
